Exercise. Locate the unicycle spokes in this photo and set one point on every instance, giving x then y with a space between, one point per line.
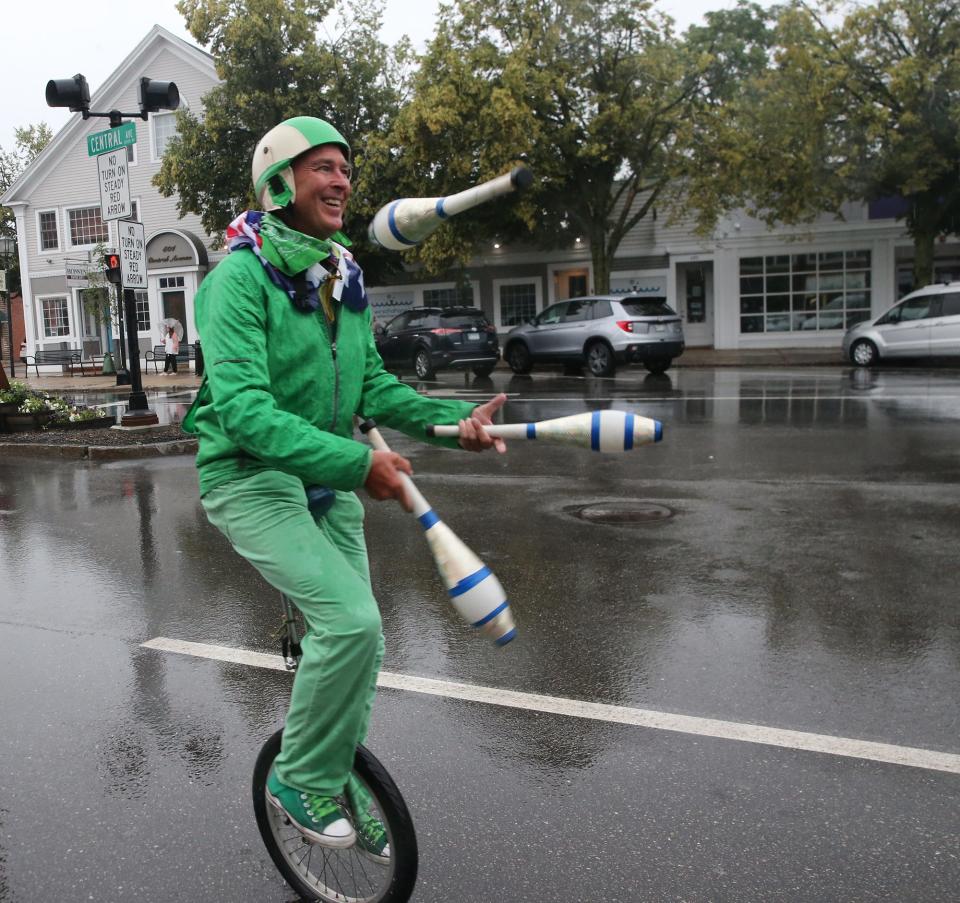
353 875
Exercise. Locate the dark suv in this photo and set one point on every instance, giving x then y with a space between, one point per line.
427 339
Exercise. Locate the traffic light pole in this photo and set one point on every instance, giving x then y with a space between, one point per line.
138 413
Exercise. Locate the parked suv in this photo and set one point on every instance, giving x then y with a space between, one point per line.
599 332
926 323
427 339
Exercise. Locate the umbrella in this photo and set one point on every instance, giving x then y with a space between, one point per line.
176 324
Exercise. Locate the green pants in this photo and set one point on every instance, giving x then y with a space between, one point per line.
323 568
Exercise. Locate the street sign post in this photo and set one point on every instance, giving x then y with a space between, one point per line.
112 139
133 255
114 185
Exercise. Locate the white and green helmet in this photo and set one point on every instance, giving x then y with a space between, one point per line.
272 173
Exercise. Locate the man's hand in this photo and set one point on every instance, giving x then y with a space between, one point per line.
383 481
473 436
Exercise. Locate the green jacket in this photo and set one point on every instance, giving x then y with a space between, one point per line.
280 393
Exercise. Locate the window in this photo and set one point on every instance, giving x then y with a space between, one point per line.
801 292
576 311
164 128
518 303
56 319
171 282
47 227
398 324
86 226
552 314
143 311
951 305
447 297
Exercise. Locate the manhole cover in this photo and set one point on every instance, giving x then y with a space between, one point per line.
621 512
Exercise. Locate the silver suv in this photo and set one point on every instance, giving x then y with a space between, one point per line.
600 332
926 323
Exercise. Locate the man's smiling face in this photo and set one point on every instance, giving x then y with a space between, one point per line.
322 179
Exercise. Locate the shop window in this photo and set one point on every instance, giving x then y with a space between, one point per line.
448 297
143 311
518 303
825 291
56 317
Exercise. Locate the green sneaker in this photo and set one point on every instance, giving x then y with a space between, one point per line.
371 834
318 818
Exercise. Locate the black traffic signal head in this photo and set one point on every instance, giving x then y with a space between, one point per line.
69 92
155 96
111 268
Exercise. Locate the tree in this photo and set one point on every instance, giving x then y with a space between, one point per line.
860 111
28 142
597 94
273 65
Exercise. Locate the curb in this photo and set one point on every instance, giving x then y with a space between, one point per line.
100 452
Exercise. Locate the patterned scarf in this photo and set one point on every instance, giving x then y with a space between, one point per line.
312 271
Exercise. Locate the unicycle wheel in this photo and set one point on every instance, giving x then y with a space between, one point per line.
322 873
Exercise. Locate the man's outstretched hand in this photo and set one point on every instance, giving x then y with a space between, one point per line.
473 436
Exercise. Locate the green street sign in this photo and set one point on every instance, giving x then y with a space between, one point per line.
112 139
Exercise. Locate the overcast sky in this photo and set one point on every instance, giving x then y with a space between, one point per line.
47 39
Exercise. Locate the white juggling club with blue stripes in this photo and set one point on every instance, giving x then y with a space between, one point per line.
473 588
406 222
601 431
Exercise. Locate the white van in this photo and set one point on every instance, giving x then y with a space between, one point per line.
926 323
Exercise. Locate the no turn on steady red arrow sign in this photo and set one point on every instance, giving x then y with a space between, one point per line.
133 255
114 185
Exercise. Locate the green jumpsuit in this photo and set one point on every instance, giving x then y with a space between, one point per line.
274 415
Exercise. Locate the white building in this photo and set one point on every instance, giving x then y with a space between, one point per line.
57 207
744 287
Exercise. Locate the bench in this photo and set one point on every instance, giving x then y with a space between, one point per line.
67 359
157 356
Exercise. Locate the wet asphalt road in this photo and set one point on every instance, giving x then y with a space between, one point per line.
794 566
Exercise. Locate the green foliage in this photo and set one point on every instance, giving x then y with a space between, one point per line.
598 95
28 142
277 59
859 110
99 297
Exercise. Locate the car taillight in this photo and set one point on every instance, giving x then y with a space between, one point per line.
441 330
625 325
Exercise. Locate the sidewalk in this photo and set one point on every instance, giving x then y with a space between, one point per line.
692 357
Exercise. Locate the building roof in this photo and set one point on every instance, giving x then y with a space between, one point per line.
103 99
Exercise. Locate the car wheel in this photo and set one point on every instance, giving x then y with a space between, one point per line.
518 357
600 360
658 367
864 353
422 366
483 370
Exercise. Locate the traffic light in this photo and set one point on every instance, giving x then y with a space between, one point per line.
111 268
155 96
69 92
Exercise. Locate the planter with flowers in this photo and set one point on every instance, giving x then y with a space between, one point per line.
11 399
33 413
74 417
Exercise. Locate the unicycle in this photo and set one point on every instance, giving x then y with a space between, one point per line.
316 872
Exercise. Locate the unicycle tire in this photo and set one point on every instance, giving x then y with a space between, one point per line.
318 873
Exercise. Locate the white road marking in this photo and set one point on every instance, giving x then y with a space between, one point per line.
685 724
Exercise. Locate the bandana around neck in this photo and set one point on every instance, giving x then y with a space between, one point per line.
293 261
